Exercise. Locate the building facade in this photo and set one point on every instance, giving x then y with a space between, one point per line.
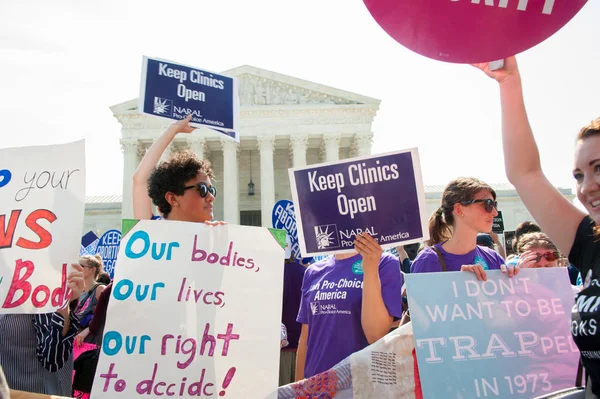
285 122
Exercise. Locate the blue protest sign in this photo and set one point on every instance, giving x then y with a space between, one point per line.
89 242
283 218
174 91
108 248
382 195
501 338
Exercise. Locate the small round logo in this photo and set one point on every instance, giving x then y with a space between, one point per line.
357 267
480 261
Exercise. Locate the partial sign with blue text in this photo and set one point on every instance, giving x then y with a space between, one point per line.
382 195
500 338
174 91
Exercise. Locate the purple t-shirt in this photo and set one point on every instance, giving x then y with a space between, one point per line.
293 274
427 260
331 306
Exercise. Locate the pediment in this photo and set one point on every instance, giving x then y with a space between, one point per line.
260 87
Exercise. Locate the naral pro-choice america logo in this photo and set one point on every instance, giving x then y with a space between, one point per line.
162 106
326 236
357 267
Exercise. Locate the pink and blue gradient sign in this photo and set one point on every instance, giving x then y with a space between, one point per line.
500 338
471 31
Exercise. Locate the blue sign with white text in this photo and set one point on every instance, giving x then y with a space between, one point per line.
108 249
283 218
174 91
500 338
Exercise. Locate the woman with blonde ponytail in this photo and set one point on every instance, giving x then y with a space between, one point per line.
92 267
468 208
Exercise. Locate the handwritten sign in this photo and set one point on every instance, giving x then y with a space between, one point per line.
498 224
195 311
174 91
108 249
382 195
42 200
502 338
468 31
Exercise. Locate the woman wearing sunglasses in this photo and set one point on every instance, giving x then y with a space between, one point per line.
468 208
180 187
536 250
574 232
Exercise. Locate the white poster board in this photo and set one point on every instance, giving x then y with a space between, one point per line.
194 311
42 204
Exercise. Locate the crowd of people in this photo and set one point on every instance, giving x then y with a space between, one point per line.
322 322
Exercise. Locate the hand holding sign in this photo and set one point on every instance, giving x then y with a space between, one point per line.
370 251
183 126
507 72
75 281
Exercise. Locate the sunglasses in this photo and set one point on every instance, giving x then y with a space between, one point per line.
549 256
488 204
203 189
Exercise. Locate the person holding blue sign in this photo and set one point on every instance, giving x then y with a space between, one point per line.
348 302
573 231
468 208
180 188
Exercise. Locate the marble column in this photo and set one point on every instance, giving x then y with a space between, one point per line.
266 146
130 147
299 144
362 144
332 147
231 212
197 146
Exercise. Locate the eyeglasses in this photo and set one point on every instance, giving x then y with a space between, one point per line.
488 204
203 189
549 256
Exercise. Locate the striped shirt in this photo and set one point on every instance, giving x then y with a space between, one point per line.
34 354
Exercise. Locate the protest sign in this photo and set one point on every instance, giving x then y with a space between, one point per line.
381 195
89 243
471 31
174 91
108 249
42 200
502 338
509 237
498 224
195 311
284 219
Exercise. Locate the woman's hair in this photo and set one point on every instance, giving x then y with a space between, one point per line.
171 175
591 129
535 240
458 190
95 262
522 229
103 278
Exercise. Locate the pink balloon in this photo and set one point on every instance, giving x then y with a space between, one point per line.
470 31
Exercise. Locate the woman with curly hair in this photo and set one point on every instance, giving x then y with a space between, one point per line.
180 187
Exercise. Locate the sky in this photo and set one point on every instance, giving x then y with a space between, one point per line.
64 63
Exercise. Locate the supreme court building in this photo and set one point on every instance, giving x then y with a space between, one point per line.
285 122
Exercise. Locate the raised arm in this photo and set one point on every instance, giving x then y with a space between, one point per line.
142 204
557 217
